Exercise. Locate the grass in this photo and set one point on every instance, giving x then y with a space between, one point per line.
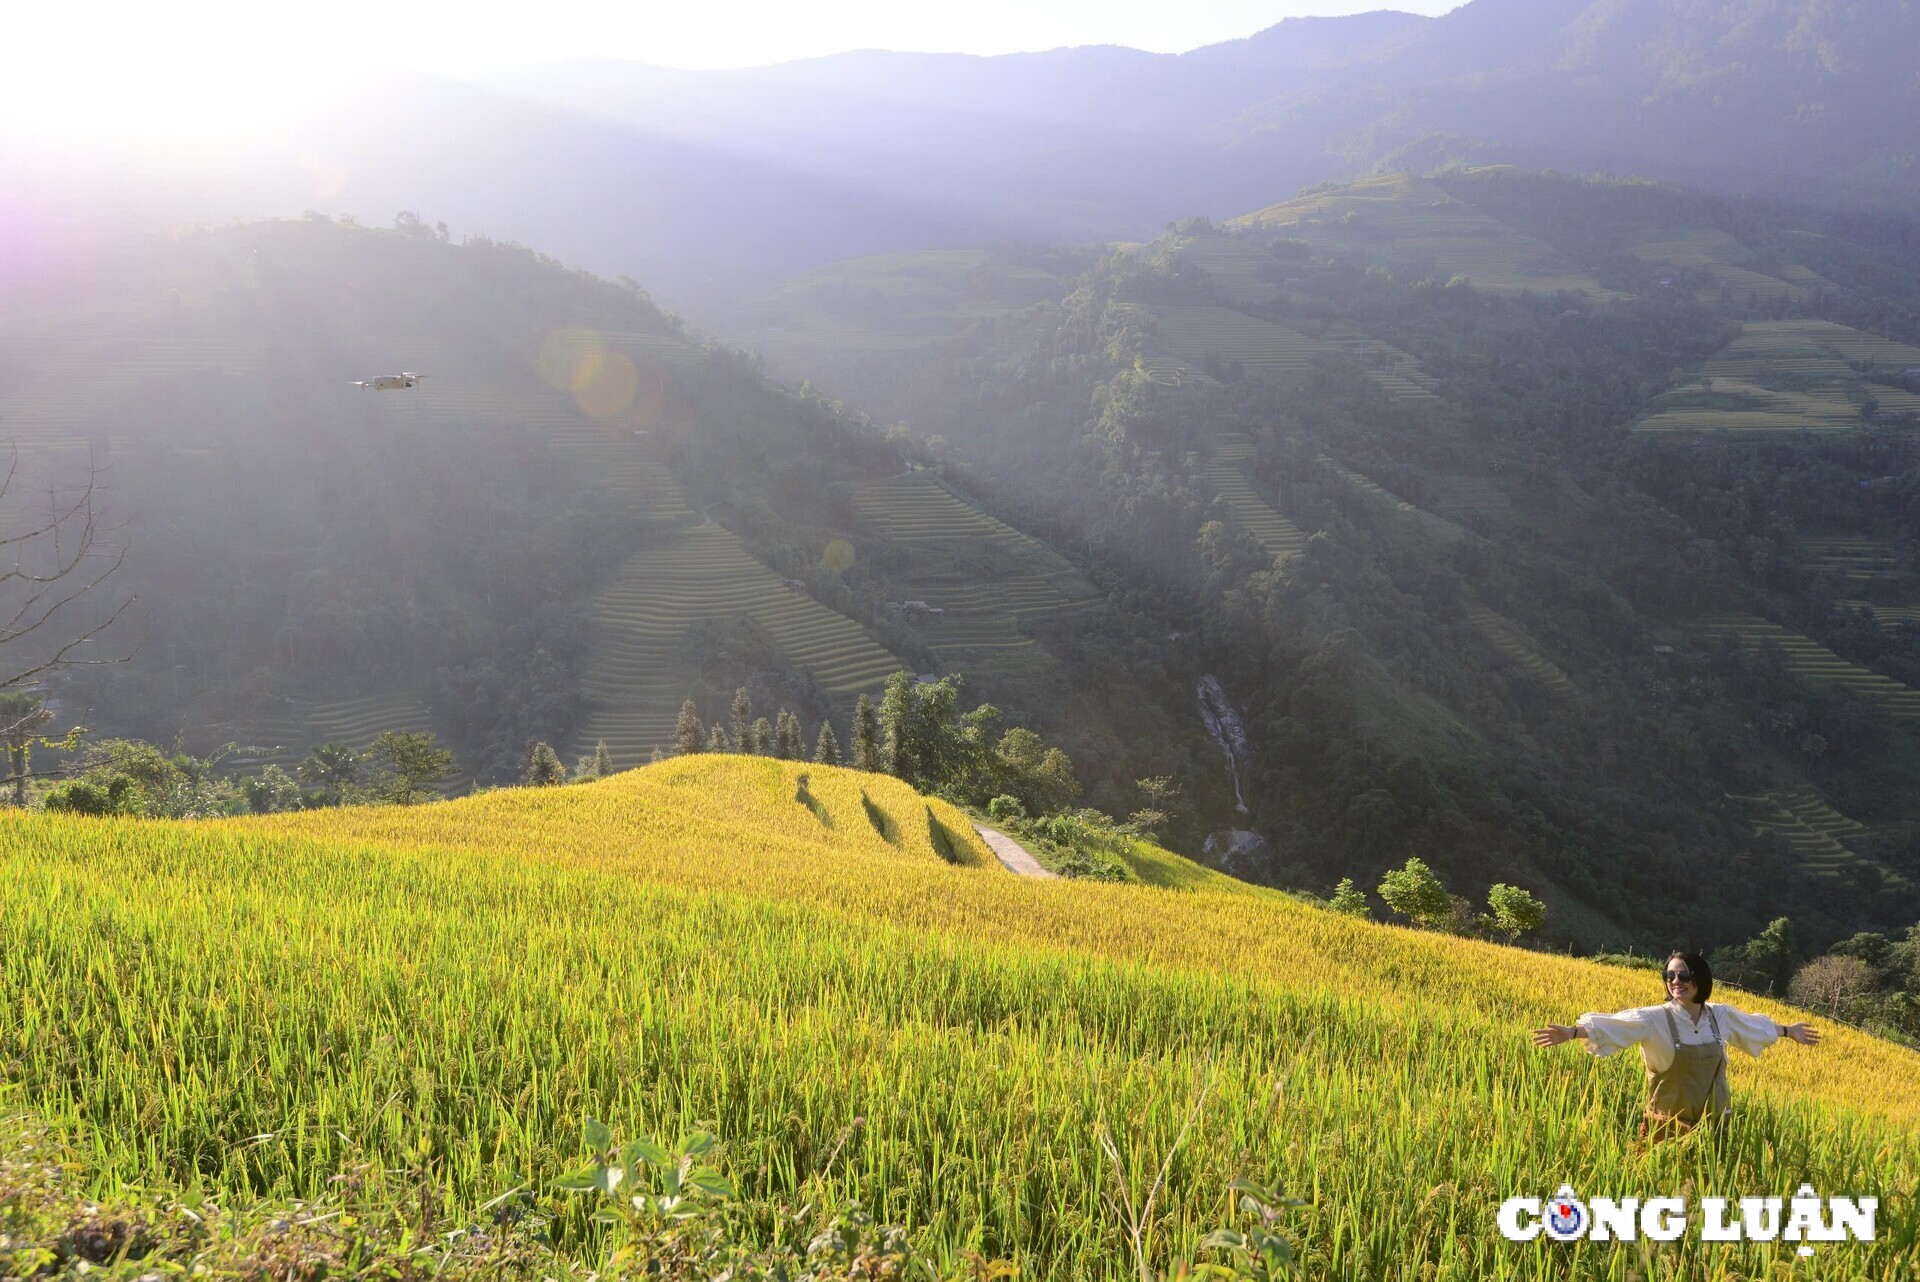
451 989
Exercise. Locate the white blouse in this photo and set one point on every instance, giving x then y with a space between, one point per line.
1646 1027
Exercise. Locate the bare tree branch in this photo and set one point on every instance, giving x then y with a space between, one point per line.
52 572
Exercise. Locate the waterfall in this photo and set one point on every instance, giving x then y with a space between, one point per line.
1223 723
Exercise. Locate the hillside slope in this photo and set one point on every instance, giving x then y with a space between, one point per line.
734 944
1452 483
582 515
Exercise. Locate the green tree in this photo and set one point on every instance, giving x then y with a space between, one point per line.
786 736
22 716
689 736
826 749
409 764
717 738
1157 793
597 766
1413 891
1348 900
866 736
1515 912
1040 777
333 768
741 714
760 738
541 767
1764 964
271 791
920 740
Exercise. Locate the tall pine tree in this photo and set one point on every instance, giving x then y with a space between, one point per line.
826 749
689 736
742 718
866 736
786 736
762 737
717 738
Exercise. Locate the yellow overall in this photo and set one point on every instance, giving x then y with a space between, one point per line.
1692 1089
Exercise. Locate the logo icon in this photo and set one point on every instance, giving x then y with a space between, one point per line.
1566 1218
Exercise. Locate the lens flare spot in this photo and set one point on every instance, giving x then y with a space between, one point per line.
604 384
563 352
839 556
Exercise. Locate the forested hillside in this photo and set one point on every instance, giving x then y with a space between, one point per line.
578 519
1550 530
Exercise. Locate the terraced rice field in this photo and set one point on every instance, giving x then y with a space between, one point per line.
1417 225
1811 661
1711 250
1247 511
1470 497
1857 558
634 682
1786 376
985 577
1888 615
297 727
82 380
613 453
1235 263
1435 527
1510 640
1816 832
1181 339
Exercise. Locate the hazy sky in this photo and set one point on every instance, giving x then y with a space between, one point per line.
192 72
455 34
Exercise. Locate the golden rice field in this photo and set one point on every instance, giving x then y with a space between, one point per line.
857 1014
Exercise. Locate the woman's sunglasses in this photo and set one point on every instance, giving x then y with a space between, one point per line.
1679 977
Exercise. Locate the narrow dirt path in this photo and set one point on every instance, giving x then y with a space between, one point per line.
1012 854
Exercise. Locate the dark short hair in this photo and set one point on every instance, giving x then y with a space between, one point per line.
1702 973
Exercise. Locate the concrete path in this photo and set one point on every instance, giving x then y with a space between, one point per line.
1012 854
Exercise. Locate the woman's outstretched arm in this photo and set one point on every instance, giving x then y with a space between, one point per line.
1555 1034
1754 1033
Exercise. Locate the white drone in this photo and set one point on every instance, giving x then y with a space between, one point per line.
390 382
